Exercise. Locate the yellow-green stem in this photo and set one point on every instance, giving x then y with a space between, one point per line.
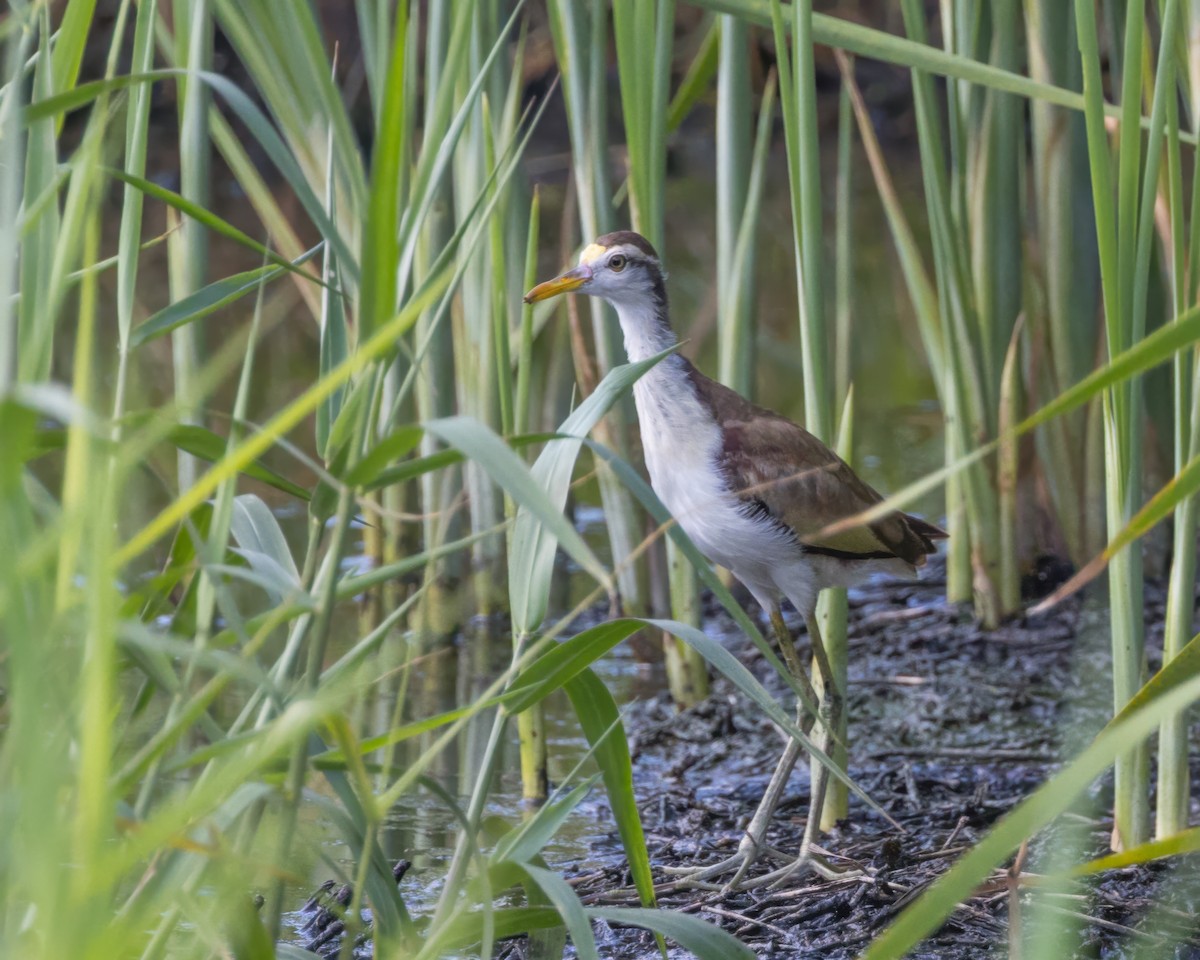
687 671
531 727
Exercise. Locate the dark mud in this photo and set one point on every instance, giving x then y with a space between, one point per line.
950 726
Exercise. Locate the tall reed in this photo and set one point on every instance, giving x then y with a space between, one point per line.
1124 231
735 276
440 492
185 689
580 33
797 87
188 247
644 38
1061 303
1181 252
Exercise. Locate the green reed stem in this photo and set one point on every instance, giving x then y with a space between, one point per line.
580 33
797 86
1174 782
843 233
735 292
188 248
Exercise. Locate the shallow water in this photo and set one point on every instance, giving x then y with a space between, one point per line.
422 829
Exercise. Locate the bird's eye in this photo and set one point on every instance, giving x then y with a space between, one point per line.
616 263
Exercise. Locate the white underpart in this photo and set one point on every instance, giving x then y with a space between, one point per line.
681 443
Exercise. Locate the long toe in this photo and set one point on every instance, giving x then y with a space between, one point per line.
809 860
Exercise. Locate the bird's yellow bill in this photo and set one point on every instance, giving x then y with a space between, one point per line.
571 280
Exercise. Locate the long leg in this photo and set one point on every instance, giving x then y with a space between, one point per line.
753 842
830 716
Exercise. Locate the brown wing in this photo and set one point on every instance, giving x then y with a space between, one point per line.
781 469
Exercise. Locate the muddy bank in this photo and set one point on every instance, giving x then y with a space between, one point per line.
950 727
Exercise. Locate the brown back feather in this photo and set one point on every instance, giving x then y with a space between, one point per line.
780 468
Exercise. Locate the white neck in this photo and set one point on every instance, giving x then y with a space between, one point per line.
645 333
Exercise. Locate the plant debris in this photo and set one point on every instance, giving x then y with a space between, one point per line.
951 726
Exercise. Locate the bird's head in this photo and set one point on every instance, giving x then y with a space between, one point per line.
620 267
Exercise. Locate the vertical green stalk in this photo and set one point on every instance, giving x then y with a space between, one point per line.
959 574
439 490
1174 786
834 621
1123 460
1065 324
996 233
188 247
970 389
531 723
687 671
843 230
581 43
40 301
807 208
475 347
644 32
735 328
95 697
501 326
797 85
1008 460
1125 236
15 48
833 616
137 126
522 415
1138 236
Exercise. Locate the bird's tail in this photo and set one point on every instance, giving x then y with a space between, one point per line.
927 531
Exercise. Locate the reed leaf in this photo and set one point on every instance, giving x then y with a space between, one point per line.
865 41
1172 689
532 546
601 723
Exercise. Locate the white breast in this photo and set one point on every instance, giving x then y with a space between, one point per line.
681 443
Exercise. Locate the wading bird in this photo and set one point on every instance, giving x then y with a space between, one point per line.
755 492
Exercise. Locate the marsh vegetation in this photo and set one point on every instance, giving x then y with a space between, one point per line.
320 551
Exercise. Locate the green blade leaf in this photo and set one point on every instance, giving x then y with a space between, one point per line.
532 546
209 299
701 938
210 220
565 662
82 94
205 444
255 528
526 841
1172 689
1186 841
380 243
399 443
505 468
467 929
567 902
601 723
